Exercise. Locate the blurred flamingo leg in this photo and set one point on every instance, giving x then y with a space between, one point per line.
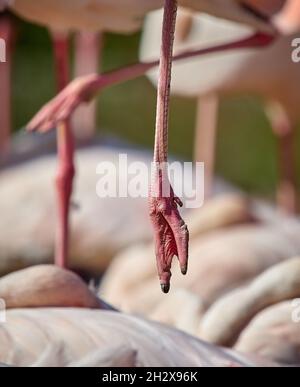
65 148
284 131
205 137
88 48
85 88
7 34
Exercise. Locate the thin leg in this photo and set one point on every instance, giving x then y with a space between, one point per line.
64 187
207 114
65 148
205 137
287 188
170 232
7 34
184 25
85 88
88 46
283 129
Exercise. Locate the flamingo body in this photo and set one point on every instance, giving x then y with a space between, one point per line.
84 331
269 73
95 15
252 71
121 15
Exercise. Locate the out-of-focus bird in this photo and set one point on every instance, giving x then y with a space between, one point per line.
88 56
124 17
230 73
273 334
61 17
71 328
229 258
66 327
127 15
244 303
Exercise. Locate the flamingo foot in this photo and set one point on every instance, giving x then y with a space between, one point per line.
61 107
171 236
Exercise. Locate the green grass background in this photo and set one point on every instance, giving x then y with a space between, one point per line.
246 149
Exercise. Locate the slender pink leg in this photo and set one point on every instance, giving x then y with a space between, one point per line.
184 25
88 47
205 137
65 148
287 197
170 232
85 88
7 34
287 189
207 114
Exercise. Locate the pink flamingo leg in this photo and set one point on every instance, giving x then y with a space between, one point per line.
170 232
6 33
283 128
205 138
287 190
88 49
65 148
85 88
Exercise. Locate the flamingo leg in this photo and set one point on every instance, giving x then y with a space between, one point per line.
207 114
283 129
85 88
170 232
205 138
7 34
65 148
88 46
287 189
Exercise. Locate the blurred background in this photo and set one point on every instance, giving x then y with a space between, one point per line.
244 253
246 148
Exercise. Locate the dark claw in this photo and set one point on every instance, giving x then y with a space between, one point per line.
170 235
184 270
165 288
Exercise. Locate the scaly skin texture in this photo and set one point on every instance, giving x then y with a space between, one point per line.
170 232
171 236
